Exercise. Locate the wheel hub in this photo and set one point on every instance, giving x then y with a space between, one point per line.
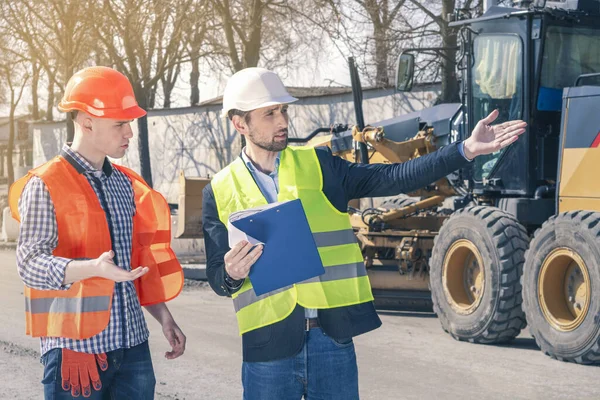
564 289
463 277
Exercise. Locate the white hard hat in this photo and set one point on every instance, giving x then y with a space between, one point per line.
253 88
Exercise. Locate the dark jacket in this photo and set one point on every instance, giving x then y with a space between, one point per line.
342 182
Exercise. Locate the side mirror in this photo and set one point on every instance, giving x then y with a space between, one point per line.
405 70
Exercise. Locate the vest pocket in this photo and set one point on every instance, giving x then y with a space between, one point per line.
258 337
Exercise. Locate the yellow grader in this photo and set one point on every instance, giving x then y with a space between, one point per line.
520 243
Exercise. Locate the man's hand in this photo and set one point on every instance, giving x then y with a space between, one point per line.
106 268
486 139
174 335
239 259
176 339
103 267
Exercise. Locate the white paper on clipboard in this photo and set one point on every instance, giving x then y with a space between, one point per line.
236 235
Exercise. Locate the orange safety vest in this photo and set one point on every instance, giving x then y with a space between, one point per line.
83 310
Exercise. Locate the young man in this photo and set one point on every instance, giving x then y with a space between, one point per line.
84 251
298 341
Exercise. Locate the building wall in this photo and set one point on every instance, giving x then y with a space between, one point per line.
198 142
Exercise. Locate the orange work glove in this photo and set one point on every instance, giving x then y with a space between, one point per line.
78 369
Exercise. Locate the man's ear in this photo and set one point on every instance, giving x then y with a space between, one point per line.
239 124
85 122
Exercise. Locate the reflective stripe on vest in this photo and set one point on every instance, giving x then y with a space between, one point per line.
345 281
332 273
83 310
334 238
67 305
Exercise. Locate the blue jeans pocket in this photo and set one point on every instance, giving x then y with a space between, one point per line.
51 362
342 342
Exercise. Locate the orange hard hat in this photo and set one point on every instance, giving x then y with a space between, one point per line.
101 92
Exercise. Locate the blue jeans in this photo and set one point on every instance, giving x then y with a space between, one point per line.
130 375
323 370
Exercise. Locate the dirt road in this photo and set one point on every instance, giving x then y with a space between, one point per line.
409 357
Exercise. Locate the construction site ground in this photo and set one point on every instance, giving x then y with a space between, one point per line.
409 357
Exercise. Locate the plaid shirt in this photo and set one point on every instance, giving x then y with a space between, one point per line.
39 269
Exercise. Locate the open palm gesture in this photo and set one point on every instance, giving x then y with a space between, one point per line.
486 139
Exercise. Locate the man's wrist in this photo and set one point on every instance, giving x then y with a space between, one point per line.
167 320
468 152
232 283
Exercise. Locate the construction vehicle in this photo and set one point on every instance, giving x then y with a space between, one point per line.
521 243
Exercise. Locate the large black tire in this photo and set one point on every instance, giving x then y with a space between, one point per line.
562 329
492 313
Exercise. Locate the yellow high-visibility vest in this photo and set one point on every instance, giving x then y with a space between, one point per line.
345 281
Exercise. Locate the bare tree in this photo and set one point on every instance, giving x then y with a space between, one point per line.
382 17
396 26
198 32
436 31
194 45
271 32
242 22
195 73
345 21
195 25
168 81
57 37
16 77
35 77
143 40
51 95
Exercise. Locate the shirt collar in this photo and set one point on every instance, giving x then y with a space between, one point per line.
251 166
82 165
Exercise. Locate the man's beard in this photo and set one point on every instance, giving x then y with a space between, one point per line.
272 145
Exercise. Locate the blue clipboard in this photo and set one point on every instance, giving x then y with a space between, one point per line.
289 255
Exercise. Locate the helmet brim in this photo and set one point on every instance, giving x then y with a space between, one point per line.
126 114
